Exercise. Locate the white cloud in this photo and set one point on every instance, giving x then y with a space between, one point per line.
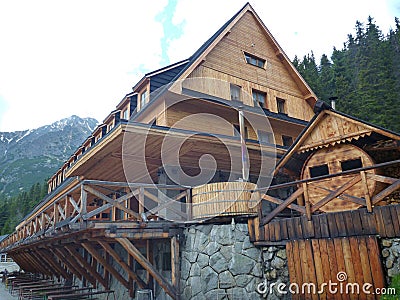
73 57
59 58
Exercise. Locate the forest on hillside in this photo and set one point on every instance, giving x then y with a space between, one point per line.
364 75
14 209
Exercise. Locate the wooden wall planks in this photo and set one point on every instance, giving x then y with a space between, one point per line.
319 261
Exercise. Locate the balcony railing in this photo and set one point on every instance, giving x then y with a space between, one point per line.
297 202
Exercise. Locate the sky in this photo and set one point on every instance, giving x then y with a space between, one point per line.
62 58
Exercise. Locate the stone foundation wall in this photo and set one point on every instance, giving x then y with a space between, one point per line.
276 271
391 257
219 262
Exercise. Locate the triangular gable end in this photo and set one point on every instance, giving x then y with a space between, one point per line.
200 55
328 128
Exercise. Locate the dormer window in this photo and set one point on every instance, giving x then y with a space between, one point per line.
143 97
254 60
125 114
235 92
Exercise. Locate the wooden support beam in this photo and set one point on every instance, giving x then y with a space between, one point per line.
83 209
105 264
132 250
131 281
380 178
336 193
45 263
111 201
307 201
175 270
37 267
343 196
92 271
282 205
386 192
189 205
150 258
29 266
108 205
72 266
51 259
141 200
366 191
295 207
122 263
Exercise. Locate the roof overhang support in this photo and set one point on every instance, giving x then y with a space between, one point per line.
145 263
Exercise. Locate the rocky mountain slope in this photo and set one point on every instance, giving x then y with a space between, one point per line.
33 155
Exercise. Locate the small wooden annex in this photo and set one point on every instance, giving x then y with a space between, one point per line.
341 193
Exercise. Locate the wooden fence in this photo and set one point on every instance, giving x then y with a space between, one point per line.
383 221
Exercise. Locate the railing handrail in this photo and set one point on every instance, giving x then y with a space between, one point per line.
288 184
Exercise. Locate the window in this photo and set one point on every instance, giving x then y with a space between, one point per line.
236 131
319 171
125 114
259 98
264 136
280 103
110 126
254 60
143 97
287 140
235 92
351 164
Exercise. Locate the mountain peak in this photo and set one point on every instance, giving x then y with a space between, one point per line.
31 156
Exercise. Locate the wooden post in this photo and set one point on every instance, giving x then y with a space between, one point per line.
245 159
366 191
113 210
130 279
141 200
189 204
307 201
83 201
150 258
54 215
175 274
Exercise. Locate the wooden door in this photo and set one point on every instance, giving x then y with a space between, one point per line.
347 264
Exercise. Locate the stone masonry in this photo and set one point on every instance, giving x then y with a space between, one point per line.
220 262
391 257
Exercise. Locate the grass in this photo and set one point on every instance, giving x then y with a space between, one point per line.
395 284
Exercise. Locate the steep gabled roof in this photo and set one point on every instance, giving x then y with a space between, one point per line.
200 54
328 128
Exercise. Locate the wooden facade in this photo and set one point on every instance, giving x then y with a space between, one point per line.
112 192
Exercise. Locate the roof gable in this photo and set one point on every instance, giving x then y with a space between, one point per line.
200 55
329 128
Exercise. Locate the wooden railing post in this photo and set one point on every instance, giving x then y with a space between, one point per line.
141 200
83 201
189 204
366 191
307 201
